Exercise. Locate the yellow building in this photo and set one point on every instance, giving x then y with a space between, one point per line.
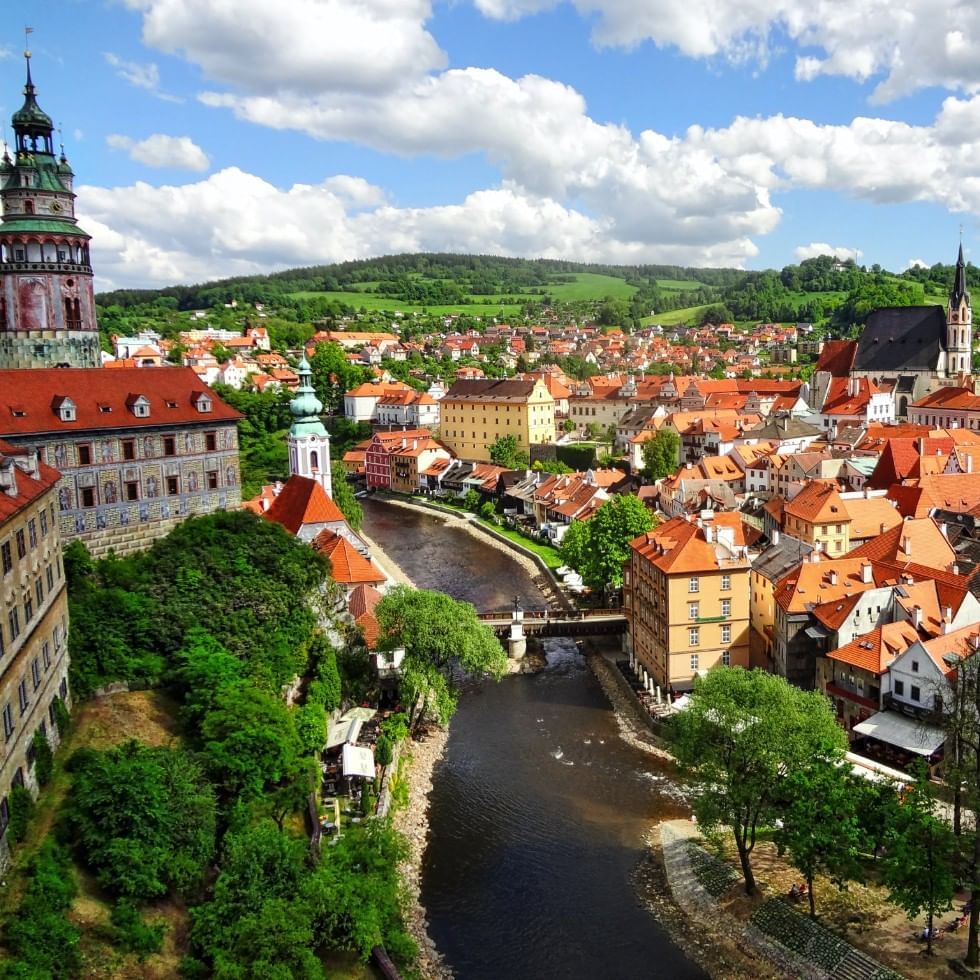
33 619
686 594
818 516
475 414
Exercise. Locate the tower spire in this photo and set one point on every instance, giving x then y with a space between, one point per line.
959 291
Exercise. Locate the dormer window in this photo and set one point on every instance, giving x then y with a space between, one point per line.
139 405
104 408
18 411
171 404
201 401
64 408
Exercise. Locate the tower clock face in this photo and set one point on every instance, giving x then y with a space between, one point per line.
56 206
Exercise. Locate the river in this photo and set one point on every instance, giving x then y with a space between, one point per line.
538 809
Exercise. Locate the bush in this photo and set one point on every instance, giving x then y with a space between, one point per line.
44 943
43 758
61 716
488 512
21 813
132 934
383 751
311 727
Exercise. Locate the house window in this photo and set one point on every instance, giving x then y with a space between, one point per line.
32 532
129 448
53 714
63 689
169 446
133 490
6 557
84 455
692 610
726 607
88 496
22 697
46 654
21 543
915 666
28 609
13 621
8 721
915 693
210 441
694 584
726 658
36 673
726 634
49 575
44 523
173 486
213 480
39 592
726 582
694 661
693 636
900 688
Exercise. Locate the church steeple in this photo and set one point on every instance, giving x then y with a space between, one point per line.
959 323
32 125
308 442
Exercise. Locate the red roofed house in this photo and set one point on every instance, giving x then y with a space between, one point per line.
138 449
302 507
349 567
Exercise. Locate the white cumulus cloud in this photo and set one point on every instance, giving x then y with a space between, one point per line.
160 150
815 249
144 76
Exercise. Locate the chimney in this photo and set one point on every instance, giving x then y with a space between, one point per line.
833 577
866 574
969 463
948 614
954 568
906 544
775 537
814 556
709 534
917 616
944 529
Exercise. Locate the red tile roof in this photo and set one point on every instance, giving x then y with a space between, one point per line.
349 566
29 485
837 357
302 501
27 399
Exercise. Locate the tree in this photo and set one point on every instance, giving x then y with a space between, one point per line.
505 451
918 866
143 819
438 634
343 497
821 827
743 733
598 551
661 454
250 741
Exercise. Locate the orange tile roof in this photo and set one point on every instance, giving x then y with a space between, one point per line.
818 503
875 650
680 546
871 516
302 501
363 599
911 539
29 486
348 565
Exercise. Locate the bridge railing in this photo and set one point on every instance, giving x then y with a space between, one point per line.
550 614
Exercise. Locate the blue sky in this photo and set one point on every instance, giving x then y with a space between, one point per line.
239 136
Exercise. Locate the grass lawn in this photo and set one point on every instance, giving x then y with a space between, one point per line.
590 285
546 552
679 285
672 318
371 301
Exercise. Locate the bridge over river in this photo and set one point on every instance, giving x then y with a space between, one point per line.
549 622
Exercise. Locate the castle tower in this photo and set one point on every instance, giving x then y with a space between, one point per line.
308 442
47 301
959 324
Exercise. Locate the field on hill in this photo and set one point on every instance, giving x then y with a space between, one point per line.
371 302
589 286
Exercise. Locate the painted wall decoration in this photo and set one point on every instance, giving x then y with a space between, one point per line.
32 303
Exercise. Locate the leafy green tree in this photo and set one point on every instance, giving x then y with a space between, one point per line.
204 670
820 823
333 374
143 819
43 758
740 737
661 454
921 855
471 500
598 547
325 688
343 497
506 451
311 727
438 634
22 809
250 741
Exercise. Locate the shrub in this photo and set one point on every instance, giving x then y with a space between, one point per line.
21 812
383 751
43 758
61 716
132 934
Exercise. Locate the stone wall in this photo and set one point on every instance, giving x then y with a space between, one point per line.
79 349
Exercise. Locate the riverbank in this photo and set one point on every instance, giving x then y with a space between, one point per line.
412 820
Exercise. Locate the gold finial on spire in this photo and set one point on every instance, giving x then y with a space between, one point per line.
28 31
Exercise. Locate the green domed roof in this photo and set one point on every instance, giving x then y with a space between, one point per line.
30 115
306 407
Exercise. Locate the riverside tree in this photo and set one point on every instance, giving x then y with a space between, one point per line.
597 548
742 735
441 638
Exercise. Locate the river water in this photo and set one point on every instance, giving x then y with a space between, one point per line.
538 809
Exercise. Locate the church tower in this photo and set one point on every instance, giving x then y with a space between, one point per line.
47 301
959 324
309 444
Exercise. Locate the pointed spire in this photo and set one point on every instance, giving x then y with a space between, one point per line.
959 291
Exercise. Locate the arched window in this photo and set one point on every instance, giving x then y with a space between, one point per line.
315 460
28 207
